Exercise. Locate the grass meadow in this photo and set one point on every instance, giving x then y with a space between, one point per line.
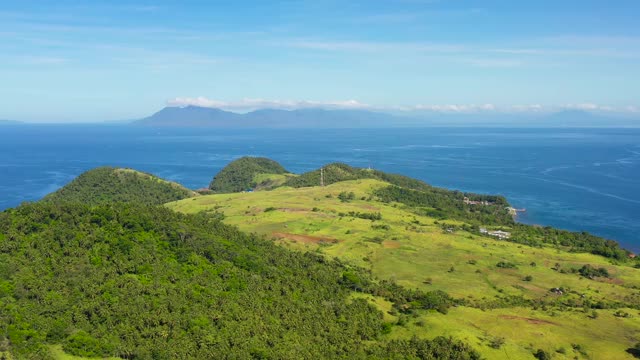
418 252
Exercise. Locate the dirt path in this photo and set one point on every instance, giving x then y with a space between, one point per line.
529 320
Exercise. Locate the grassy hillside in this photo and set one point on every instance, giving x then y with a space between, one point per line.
438 202
543 289
337 172
107 184
264 174
244 173
373 265
140 282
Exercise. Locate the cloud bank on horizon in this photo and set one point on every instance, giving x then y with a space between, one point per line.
91 60
245 105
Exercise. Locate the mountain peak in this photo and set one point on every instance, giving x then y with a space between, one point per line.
109 184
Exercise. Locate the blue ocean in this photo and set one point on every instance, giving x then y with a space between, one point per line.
575 179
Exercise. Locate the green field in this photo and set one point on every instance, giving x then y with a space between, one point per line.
508 312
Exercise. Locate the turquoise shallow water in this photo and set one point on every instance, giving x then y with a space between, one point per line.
577 179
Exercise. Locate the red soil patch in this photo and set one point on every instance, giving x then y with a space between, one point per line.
391 244
529 320
613 281
307 239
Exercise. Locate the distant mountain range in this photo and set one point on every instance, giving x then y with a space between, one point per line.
193 116
202 117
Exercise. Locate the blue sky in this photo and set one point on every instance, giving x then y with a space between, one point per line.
103 60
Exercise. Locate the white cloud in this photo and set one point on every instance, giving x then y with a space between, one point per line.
492 62
454 108
479 54
591 107
533 108
255 104
36 60
585 106
368 46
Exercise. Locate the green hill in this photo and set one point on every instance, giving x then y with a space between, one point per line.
519 290
141 282
336 172
438 202
241 174
108 184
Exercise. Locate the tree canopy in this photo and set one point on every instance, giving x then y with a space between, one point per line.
239 175
107 184
142 282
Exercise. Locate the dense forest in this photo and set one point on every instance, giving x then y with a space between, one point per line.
239 175
142 282
107 184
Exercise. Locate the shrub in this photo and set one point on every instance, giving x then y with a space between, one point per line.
579 348
506 265
496 343
375 239
635 350
380 227
346 196
542 355
622 314
590 272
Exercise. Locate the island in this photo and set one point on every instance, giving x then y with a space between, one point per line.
339 262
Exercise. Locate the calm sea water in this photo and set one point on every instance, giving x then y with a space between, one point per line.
572 178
